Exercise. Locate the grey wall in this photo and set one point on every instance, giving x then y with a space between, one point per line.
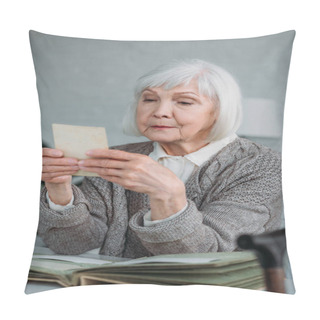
90 82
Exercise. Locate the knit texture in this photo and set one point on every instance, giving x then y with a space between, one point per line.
237 191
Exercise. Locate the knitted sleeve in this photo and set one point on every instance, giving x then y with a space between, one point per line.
238 194
80 228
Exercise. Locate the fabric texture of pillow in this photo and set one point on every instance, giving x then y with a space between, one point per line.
90 82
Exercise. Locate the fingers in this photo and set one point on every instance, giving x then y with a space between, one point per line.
48 152
103 163
60 169
106 162
111 154
53 174
56 168
102 172
94 153
54 157
115 162
59 161
59 166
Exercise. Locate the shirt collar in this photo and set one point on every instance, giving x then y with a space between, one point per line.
198 157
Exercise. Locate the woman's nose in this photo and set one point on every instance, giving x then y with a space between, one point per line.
163 110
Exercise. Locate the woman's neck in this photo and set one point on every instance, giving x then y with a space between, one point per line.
178 149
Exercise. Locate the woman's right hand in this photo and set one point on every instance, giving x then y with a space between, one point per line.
57 174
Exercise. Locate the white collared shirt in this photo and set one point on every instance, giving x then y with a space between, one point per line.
183 166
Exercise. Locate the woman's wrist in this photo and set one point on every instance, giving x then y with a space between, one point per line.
60 194
165 204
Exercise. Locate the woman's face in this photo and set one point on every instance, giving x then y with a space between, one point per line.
180 119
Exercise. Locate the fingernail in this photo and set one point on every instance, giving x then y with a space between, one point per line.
81 163
89 153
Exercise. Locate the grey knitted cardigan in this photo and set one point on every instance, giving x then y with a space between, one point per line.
236 191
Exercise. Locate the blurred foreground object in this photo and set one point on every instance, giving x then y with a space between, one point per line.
270 249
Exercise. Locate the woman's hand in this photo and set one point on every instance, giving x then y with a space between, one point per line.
57 173
139 173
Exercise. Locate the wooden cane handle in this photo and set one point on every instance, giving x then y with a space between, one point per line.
274 278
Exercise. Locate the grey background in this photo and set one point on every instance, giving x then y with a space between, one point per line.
90 82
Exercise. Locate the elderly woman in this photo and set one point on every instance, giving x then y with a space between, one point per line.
195 187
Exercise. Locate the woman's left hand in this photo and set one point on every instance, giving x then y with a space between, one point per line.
139 173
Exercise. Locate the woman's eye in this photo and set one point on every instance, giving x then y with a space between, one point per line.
185 103
149 100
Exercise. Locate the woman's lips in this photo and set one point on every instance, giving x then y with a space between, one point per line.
161 127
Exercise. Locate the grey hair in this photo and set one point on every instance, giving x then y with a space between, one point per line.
213 82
